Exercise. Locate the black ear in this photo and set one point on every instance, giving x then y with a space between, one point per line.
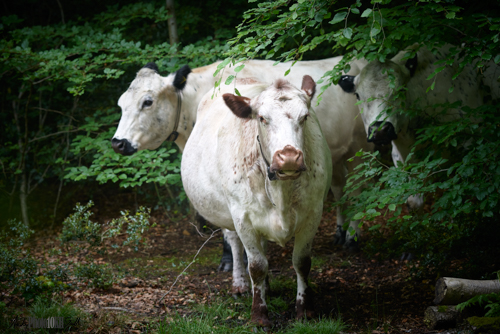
411 65
239 105
152 66
181 77
346 82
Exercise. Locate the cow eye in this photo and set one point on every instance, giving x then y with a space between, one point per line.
262 120
305 118
357 96
147 103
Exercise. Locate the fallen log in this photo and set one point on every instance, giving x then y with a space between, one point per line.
453 291
441 317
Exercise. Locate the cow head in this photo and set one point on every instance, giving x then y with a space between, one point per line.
281 112
374 88
148 110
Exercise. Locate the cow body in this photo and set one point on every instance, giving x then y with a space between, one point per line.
175 98
224 173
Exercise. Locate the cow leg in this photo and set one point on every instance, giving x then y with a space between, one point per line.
337 186
240 278
302 265
226 262
264 243
257 266
342 236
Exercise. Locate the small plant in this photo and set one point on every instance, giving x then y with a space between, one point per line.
321 326
20 272
78 228
491 302
73 318
80 231
96 275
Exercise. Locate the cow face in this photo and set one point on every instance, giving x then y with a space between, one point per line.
148 110
281 111
374 89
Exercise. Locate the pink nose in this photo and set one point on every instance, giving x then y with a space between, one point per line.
288 159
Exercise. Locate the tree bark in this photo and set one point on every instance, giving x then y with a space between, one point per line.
441 317
22 198
453 291
172 23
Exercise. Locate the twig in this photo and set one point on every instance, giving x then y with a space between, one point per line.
200 233
120 309
194 259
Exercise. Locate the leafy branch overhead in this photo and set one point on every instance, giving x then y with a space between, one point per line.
376 30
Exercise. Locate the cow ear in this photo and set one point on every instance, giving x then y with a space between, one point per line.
411 65
239 105
308 86
180 78
346 82
152 66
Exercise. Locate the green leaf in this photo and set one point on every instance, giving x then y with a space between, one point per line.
239 68
347 32
367 12
392 207
229 79
237 91
450 15
338 17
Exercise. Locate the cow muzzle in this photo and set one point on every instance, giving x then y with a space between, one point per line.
288 163
381 135
122 146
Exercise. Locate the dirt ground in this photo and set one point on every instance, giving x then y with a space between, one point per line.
371 296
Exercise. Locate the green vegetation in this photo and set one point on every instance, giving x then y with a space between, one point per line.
490 302
62 74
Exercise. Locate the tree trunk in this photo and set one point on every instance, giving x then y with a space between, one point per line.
453 291
441 317
172 24
23 194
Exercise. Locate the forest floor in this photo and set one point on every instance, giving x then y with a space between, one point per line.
370 296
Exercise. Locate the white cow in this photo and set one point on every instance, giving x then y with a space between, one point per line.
156 108
372 88
260 165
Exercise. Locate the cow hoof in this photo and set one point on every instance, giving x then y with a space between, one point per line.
262 322
225 265
339 238
239 291
407 256
308 314
351 245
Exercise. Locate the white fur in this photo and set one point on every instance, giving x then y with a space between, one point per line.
224 174
337 114
372 83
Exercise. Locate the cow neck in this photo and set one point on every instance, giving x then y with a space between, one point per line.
173 136
199 82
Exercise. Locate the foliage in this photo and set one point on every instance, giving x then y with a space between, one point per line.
73 317
491 302
19 271
322 326
60 83
454 165
96 275
78 227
